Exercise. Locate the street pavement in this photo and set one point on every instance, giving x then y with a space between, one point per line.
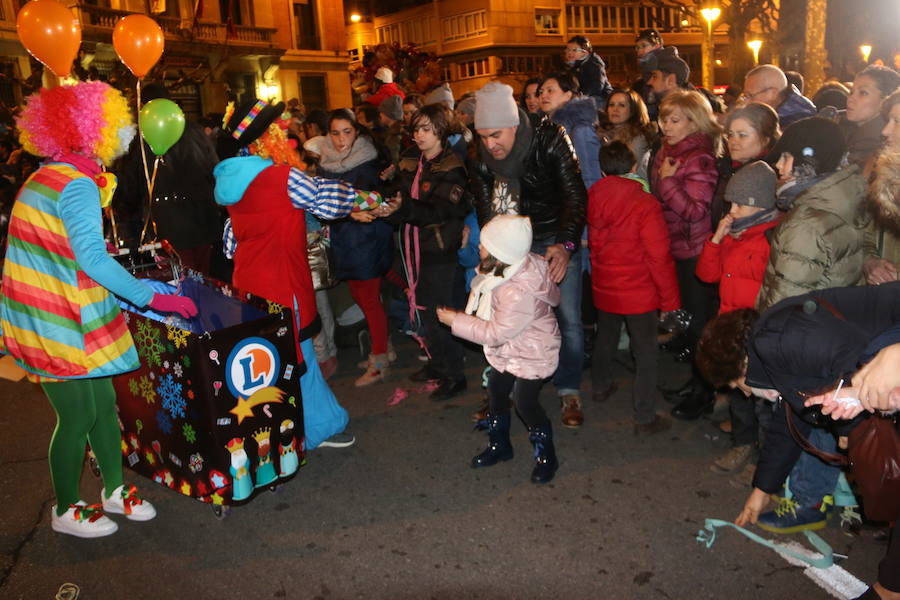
401 515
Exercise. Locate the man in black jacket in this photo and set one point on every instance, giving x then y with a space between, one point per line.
533 171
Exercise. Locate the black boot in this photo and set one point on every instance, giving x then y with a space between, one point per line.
700 402
545 463
499 448
678 395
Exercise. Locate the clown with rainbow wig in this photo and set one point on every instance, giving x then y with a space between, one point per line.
261 182
58 316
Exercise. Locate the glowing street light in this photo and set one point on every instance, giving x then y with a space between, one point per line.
866 49
710 14
355 18
755 46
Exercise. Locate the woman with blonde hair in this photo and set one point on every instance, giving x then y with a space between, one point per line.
683 176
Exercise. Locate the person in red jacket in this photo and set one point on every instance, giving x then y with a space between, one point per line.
386 88
735 257
632 276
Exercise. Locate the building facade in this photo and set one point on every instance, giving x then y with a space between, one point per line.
273 49
480 40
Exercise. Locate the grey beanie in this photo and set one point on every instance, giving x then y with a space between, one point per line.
467 106
441 94
495 107
752 185
392 107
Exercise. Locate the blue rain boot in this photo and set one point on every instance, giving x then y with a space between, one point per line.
545 463
499 447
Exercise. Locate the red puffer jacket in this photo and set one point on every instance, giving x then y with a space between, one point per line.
738 265
687 195
632 271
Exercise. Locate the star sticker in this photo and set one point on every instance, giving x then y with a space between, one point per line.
217 499
218 481
169 479
185 488
150 458
244 407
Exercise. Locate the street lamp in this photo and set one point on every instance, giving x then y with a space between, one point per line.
710 14
355 18
866 49
755 46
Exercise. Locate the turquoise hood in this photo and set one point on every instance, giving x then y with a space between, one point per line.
233 175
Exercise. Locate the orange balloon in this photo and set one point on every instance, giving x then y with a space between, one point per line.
138 41
51 33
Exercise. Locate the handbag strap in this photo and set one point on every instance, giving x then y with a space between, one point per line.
828 457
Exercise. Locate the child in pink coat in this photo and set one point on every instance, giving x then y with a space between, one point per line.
510 313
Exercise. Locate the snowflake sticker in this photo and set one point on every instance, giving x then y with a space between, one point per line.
196 463
178 336
126 316
226 291
163 421
274 307
170 392
165 364
146 390
133 387
282 331
187 362
178 370
148 344
189 434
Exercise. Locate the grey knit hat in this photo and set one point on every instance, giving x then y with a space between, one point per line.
752 185
442 94
495 107
467 106
392 107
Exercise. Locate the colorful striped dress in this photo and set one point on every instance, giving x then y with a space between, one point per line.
57 316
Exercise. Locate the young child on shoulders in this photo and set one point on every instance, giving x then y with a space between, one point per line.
632 277
510 313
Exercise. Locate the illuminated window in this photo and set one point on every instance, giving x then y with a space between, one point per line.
546 21
473 68
464 26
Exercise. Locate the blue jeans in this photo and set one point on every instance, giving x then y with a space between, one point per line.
567 378
811 479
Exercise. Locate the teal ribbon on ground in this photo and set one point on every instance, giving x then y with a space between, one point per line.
707 536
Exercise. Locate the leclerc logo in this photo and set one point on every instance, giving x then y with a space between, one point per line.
252 365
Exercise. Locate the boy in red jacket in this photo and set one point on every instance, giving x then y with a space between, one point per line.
632 277
735 257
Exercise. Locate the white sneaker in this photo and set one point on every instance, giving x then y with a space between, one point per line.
339 440
83 521
125 501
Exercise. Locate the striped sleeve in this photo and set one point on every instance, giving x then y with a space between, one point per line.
327 199
229 243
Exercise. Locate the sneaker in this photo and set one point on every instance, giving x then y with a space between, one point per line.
339 440
570 406
391 356
375 372
657 425
82 521
328 367
125 501
851 520
790 517
732 460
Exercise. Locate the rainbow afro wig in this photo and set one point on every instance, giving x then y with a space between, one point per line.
89 118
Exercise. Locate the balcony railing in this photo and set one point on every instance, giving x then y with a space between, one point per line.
105 19
605 17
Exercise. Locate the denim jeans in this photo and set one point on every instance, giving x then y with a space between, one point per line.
811 479
567 378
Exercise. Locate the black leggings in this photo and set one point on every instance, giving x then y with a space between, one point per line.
524 393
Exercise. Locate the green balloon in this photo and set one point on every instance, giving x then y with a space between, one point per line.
162 124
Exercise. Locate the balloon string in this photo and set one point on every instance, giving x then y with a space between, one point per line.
144 164
147 219
112 220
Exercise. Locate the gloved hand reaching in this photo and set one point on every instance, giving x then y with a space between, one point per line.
172 303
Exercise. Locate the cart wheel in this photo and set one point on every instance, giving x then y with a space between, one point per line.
275 488
92 463
221 511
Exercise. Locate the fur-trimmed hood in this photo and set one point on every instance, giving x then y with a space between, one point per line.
884 191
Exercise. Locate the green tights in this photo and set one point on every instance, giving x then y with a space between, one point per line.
85 412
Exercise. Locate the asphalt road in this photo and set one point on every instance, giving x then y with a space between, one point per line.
402 515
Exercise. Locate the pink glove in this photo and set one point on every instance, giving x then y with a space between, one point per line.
172 303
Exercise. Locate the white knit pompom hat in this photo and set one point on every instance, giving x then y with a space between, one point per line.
507 238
